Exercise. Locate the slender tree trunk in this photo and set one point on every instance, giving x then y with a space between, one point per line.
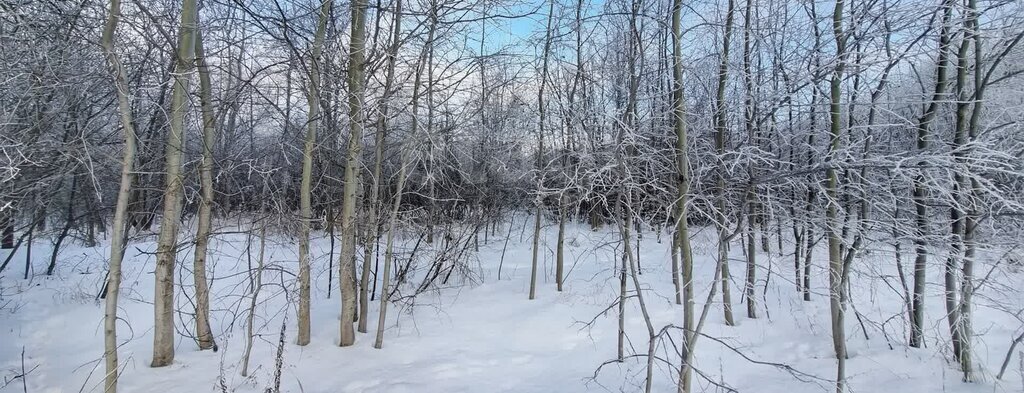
560 250
621 345
623 201
682 235
809 242
695 333
385 296
831 215
431 166
305 204
966 330
540 155
356 96
250 318
374 204
113 284
203 332
720 130
69 221
798 237
748 117
920 193
28 252
7 229
166 249
676 282
957 210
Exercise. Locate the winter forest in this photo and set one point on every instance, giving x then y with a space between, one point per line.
512 196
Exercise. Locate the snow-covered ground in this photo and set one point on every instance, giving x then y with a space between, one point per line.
483 335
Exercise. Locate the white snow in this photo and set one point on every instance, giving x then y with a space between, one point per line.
483 335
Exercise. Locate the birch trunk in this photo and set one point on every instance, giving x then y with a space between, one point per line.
832 221
682 235
203 332
971 214
385 291
250 319
356 86
166 249
373 203
748 120
385 294
117 238
720 130
305 204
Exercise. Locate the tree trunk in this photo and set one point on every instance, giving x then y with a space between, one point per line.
28 252
539 201
560 250
920 193
356 96
809 242
798 246
69 220
250 318
972 215
748 119
113 284
7 229
832 221
373 203
682 235
385 290
720 130
166 249
203 332
305 204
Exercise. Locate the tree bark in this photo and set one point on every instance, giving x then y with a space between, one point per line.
204 335
748 119
971 215
120 223
682 235
831 213
720 130
920 193
373 203
540 155
7 229
305 204
356 96
166 250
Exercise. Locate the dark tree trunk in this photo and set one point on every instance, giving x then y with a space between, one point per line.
7 222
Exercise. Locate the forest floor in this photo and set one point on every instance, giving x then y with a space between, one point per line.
480 333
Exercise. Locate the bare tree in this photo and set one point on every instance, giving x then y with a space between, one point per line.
835 262
920 190
204 336
305 206
356 97
117 240
720 195
682 229
540 151
163 332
